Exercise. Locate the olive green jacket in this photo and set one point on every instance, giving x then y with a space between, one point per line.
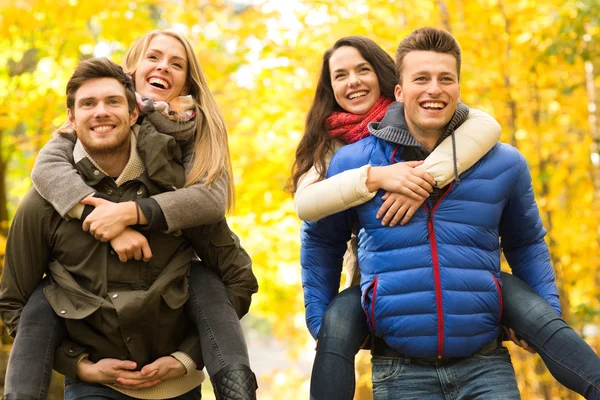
131 310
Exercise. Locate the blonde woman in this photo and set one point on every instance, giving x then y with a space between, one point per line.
182 128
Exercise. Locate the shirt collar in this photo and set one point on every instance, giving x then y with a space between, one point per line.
133 169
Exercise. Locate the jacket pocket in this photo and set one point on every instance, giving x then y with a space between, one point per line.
499 289
177 293
71 304
369 297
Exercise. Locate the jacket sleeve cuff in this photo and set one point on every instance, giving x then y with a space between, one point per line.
186 360
67 357
153 213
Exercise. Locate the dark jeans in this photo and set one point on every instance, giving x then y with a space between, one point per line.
343 330
209 308
31 358
78 390
40 331
568 357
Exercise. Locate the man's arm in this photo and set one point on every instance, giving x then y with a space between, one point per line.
522 234
323 244
219 248
26 259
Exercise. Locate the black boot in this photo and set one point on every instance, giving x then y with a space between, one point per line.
235 382
17 396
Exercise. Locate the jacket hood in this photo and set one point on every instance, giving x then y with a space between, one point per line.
393 127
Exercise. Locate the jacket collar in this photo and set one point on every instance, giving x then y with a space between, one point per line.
393 127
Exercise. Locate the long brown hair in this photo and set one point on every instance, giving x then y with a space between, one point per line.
211 149
316 142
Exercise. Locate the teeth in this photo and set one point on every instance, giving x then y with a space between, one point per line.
434 105
159 81
103 128
357 94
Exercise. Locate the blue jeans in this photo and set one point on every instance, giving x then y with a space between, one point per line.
40 331
488 376
343 330
568 357
77 390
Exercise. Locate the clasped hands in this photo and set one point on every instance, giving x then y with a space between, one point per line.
122 374
406 189
109 222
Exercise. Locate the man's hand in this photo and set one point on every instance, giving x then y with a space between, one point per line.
108 219
397 207
510 334
401 178
110 370
162 369
131 244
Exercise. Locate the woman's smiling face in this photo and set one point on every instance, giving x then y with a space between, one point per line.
353 80
162 72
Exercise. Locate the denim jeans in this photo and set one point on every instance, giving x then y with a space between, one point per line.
221 336
32 356
77 390
41 331
488 376
343 330
568 357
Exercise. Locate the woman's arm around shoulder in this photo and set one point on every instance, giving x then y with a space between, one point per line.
474 138
315 199
195 205
56 179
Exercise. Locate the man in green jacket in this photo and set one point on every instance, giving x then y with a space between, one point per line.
119 316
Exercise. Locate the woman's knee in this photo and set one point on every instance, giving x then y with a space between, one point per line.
37 309
344 316
523 307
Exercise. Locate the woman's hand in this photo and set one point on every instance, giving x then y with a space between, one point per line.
110 370
108 219
131 244
401 178
510 334
397 207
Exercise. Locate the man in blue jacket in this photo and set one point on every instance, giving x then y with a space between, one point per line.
431 289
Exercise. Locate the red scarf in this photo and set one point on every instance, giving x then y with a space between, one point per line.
352 127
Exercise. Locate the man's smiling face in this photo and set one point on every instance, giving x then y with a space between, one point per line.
429 90
101 117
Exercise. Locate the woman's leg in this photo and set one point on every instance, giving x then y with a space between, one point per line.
30 363
568 357
343 331
223 345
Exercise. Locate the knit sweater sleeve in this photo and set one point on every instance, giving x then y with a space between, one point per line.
54 176
474 138
316 199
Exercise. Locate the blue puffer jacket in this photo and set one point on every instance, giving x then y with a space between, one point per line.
432 287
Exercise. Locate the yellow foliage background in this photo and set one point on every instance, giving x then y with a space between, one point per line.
532 64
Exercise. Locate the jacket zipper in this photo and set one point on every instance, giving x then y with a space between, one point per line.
371 312
436 271
499 288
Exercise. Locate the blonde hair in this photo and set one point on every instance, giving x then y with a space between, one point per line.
211 148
